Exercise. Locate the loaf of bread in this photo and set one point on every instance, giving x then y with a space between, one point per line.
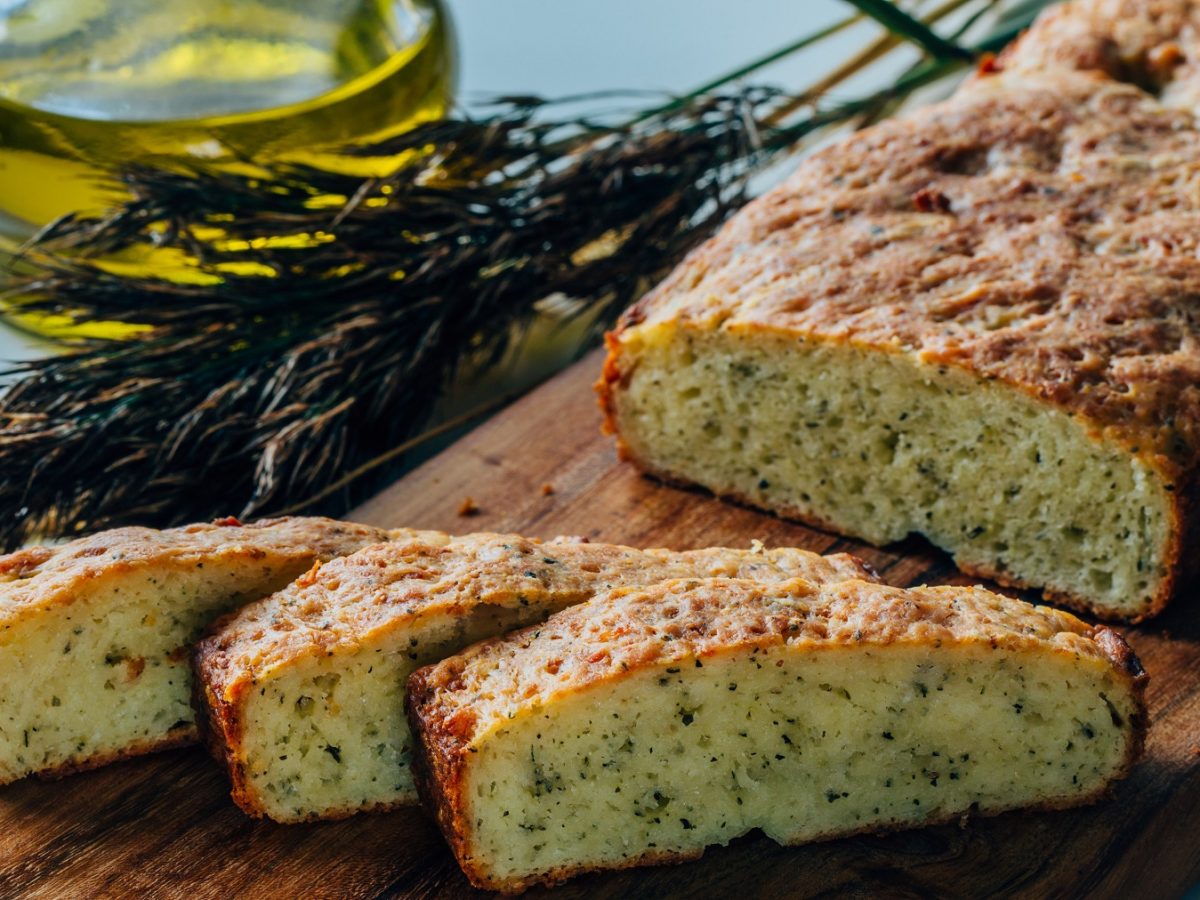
977 323
645 725
94 634
304 691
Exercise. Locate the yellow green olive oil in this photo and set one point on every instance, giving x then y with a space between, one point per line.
87 85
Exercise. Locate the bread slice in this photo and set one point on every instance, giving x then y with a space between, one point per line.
94 634
975 323
645 725
304 691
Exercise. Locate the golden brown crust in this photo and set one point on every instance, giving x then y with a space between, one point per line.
438 766
41 577
1152 43
633 628
220 729
1033 230
177 737
338 604
452 704
1056 188
336 607
37 579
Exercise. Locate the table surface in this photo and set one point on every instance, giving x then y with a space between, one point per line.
164 825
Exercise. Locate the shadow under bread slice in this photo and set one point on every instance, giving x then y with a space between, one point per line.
646 725
94 634
304 691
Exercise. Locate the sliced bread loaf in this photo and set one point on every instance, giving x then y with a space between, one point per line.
645 725
977 323
94 634
304 691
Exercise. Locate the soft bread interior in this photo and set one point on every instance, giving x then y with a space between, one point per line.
107 674
878 446
803 744
321 732
328 737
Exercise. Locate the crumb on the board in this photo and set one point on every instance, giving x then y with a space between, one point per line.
547 489
468 507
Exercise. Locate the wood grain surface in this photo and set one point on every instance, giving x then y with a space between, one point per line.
164 826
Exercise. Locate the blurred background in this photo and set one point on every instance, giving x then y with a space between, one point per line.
556 48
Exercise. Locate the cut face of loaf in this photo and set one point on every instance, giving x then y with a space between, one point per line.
94 634
304 690
880 446
960 324
648 724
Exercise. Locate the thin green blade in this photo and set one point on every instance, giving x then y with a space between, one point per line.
902 24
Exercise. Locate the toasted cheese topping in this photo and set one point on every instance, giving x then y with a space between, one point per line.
1038 228
42 577
1152 43
611 637
1036 231
339 606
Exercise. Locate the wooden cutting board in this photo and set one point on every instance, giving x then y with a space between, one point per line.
164 825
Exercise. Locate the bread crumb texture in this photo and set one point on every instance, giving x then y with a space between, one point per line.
96 632
305 690
976 322
648 724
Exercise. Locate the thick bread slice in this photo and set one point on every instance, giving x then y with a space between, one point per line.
304 691
645 725
94 634
977 322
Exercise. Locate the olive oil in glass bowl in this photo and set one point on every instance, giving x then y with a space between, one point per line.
89 85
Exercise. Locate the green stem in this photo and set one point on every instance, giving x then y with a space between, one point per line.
923 73
750 67
901 23
970 21
779 54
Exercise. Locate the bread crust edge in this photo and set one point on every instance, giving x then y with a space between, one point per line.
1184 523
219 704
174 739
442 746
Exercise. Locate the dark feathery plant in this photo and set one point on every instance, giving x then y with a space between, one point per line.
332 312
